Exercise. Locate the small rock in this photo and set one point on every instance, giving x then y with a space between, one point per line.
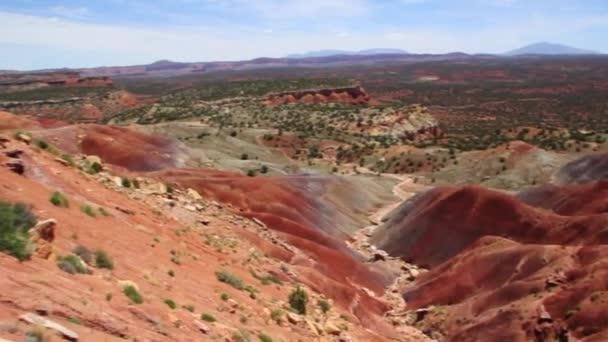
16 166
193 194
190 208
117 181
93 159
125 211
24 137
332 329
380 255
14 153
233 303
412 274
293 318
62 161
204 220
258 222
202 327
32 318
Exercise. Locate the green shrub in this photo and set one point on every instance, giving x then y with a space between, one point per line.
103 212
251 173
208 318
170 303
59 200
133 294
189 307
84 253
74 320
230 279
72 264
224 296
15 222
171 273
264 338
126 183
88 210
103 260
324 305
298 299
42 144
241 336
276 315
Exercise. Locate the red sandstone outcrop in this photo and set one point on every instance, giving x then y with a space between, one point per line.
349 95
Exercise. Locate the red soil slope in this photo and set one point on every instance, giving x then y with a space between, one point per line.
116 145
143 238
439 224
583 199
300 219
9 121
505 270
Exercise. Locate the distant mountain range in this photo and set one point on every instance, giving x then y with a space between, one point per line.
549 49
327 53
322 58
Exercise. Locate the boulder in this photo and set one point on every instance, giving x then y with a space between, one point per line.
332 329
412 274
193 194
32 318
44 230
380 255
14 153
16 166
293 318
24 138
202 327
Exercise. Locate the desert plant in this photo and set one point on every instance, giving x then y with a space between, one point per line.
324 305
88 210
134 295
208 318
170 303
58 200
264 338
230 279
103 212
72 264
103 260
224 296
84 253
126 183
298 299
15 222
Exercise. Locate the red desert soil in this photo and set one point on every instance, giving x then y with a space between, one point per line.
300 219
502 269
143 234
115 145
8 121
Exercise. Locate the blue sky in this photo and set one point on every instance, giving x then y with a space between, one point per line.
76 33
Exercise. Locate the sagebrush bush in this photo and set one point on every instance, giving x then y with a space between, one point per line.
230 279
134 295
84 253
15 222
59 200
71 264
208 318
103 260
298 299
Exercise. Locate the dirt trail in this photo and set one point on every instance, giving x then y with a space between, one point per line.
403 190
